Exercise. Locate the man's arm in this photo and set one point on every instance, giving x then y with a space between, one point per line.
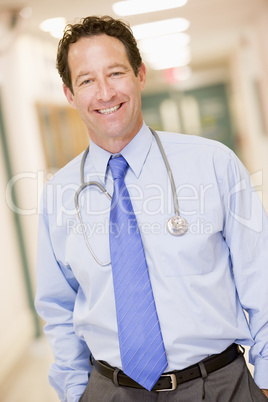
56 294
246 234
265 391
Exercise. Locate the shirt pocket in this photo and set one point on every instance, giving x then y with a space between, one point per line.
190 254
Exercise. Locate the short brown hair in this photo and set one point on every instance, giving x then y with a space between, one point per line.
91 26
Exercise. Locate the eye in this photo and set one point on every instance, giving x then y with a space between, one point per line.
88 81
116 73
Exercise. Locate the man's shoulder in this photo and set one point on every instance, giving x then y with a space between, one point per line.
199 144
178 138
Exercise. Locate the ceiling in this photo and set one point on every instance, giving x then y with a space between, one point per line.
216 25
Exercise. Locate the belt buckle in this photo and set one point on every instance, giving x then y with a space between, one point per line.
173 382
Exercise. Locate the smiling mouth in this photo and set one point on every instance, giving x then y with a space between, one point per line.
110 110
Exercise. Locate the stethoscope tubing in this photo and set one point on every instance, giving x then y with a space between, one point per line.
103 189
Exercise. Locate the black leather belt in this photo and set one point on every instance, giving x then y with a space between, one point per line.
170 381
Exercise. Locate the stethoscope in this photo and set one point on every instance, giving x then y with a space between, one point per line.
177 225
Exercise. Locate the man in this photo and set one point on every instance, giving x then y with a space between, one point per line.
199 283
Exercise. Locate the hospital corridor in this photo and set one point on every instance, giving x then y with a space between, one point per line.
207 76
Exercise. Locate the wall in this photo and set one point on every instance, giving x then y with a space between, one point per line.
27 75
249 82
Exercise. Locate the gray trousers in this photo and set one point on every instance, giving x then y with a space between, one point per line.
232 383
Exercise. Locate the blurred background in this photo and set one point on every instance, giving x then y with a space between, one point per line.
207 64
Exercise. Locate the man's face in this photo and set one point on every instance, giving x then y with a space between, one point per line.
106 91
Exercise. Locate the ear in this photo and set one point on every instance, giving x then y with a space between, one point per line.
69 95
142 76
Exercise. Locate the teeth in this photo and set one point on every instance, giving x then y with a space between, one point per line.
111 110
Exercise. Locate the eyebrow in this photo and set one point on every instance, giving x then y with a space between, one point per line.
118 65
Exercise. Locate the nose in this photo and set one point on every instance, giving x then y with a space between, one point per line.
105 91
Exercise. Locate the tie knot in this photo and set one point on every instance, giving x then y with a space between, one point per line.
118 167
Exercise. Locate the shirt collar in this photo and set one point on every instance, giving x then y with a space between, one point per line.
135 153
99 158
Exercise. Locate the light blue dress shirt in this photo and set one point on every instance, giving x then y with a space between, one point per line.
202 281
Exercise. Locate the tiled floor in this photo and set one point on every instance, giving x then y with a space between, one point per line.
29 382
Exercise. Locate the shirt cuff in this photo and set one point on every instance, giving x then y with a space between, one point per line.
261 373
74 393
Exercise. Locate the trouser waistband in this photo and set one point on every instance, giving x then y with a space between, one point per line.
170 381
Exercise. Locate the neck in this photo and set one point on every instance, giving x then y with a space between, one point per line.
114 147
112 144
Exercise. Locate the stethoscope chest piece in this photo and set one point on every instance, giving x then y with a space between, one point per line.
177 225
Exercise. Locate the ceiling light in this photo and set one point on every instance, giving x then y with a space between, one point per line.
55 26
182 54
160 43
165 27
164 60
173 62
133 7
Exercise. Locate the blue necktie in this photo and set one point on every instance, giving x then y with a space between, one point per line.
142 349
